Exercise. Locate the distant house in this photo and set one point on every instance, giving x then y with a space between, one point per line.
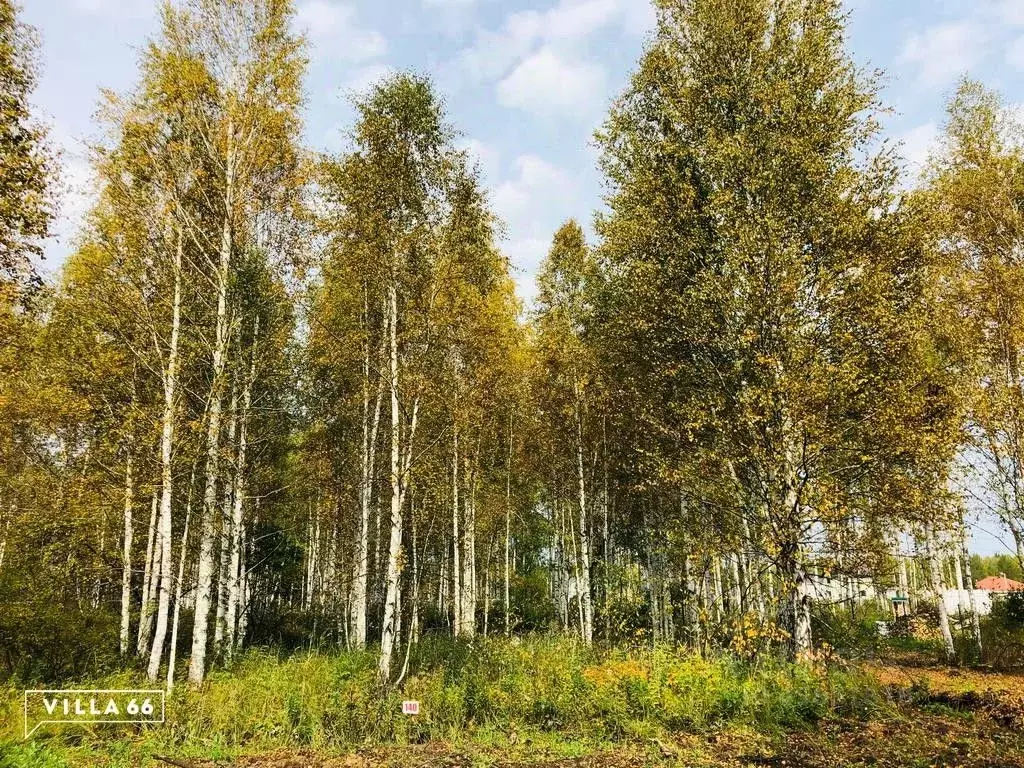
1000 584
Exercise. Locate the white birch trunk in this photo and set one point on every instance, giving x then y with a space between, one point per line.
224 550
935 576
167 476
456 540
204 580
179 589
237 541
369 453
719 593
126 558
468 610
389 626
508 531
587 629
737 588
149 572
975 618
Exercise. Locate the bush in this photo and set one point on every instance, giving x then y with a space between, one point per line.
47 641
1002 633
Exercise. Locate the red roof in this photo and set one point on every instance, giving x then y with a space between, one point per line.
1000 584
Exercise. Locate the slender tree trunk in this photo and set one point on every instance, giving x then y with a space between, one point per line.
369 453
179 587
166 475
226 533
126 557
237 526
606 540
578 578
395 545
737 587
414 624
719 596
508 531
246 590
442 580
587 630
468 610
936 585
3 551
975 618
457 620
153 548
487 590
204 581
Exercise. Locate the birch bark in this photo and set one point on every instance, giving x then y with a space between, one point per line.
936 586
126 557
146 608
179 588
166 474
237 530
204 581
587 630
371 425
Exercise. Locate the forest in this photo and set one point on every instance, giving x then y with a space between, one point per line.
282 418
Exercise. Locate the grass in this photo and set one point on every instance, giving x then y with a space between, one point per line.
546 690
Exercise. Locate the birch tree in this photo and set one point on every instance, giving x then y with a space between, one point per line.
755 253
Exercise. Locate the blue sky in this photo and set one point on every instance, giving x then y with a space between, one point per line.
525 82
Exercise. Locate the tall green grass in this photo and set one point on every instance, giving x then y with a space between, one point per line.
555 685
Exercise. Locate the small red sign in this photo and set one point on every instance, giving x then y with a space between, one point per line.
410 707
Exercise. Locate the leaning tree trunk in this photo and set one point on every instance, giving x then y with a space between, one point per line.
167 476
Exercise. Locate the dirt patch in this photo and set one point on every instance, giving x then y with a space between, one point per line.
999 696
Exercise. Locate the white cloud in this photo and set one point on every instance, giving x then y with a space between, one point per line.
486 156
361 78
566 25
538 185
547 83
334 29
76 194
525 257
449 4
917 145
945 51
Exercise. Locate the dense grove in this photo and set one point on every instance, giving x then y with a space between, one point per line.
283 401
